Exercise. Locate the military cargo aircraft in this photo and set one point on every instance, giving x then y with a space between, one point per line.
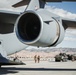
36 26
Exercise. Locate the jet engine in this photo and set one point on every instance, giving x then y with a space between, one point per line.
39 28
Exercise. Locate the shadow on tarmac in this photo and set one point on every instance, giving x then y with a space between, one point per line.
13 70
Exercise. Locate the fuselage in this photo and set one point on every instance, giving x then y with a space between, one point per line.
10 44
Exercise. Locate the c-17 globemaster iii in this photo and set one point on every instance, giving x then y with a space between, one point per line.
36 26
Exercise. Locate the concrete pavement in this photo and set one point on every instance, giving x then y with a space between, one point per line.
42 68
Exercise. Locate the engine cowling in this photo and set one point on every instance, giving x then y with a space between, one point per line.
39 28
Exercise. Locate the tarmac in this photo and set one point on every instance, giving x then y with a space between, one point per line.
42 68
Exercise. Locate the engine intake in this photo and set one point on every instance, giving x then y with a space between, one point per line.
39 28
29 27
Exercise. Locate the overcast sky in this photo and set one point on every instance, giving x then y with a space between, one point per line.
64 9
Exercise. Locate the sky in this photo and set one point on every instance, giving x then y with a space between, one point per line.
64 9
68 6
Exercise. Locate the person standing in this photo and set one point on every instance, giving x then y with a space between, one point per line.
38 58
35 58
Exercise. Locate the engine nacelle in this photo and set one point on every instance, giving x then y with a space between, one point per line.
39 28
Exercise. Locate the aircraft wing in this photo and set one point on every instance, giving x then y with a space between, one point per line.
26 2
7 20
71 23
